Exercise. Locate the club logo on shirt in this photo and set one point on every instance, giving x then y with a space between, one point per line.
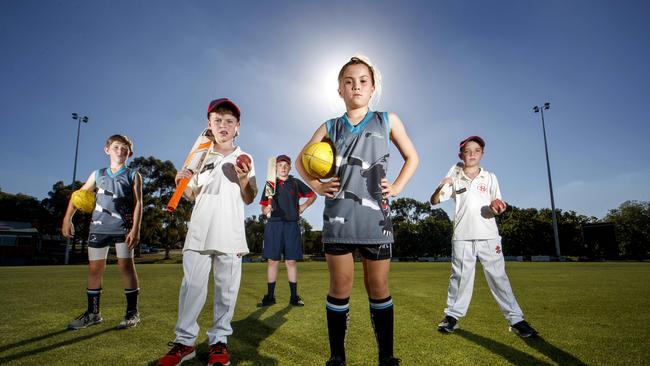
498 249
482 187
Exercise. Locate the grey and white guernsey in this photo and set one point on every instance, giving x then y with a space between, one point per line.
113 212
358 214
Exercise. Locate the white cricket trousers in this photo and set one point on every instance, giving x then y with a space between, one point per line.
461 283
194 290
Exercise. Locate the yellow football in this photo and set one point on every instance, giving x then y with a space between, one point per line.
83 200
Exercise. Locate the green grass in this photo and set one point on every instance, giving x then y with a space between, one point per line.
587 313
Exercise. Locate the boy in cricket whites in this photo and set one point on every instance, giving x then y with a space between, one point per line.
216 238
115 220
282 232
478 199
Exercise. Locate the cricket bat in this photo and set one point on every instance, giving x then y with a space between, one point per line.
269 186
192 163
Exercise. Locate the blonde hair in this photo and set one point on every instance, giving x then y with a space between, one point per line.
359 59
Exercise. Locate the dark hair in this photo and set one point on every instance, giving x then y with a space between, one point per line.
120 138
224 110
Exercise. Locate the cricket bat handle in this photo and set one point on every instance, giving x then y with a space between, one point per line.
178 193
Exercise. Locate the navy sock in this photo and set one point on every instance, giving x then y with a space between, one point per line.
293 287
93 299
337 325
131 299
382 318
270 289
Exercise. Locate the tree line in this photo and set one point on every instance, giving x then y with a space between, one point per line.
421 230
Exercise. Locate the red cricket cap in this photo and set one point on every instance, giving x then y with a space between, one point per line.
476 139
224 103
283 158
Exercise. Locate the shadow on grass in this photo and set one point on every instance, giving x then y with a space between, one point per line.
31 340
251 332
558 355
518 357
16 356
244 344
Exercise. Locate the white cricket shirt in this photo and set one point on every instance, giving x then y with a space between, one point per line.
473 219
217 222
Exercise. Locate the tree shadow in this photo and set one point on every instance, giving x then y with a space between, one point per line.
15 356
518 357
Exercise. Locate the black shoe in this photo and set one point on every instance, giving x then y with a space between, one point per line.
448 324
389 361
296 301
266 301
335 361
523 329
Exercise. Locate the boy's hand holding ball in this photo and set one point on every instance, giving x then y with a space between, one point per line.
498 207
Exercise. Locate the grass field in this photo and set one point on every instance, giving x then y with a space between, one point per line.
587 313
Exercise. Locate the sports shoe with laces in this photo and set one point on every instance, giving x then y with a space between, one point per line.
296 301
335 361
85 320
448 324
131 319
218 355
177 355
389 361
523 329
266 301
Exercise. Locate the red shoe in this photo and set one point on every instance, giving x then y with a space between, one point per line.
218 355
177 355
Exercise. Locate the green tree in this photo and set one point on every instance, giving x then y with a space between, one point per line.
21 207
632 219
160 228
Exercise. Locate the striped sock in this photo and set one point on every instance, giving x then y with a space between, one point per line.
337 325
93 299
382 318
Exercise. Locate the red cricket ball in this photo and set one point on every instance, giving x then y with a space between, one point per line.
243 159
498 206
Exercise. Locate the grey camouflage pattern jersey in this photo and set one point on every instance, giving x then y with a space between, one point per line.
358 214
113 212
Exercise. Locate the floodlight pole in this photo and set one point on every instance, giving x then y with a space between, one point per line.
79 119
537 109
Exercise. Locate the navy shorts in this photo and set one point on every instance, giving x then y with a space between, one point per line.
282 237
373 252
96 240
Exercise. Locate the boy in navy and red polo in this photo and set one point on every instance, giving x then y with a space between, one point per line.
282 232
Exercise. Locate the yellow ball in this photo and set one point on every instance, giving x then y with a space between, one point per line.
83 200
318 160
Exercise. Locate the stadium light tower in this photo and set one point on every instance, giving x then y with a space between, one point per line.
537 109
79 119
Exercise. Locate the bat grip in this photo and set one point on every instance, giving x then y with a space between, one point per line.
178 193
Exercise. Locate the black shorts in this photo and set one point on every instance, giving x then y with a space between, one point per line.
373 252
96 240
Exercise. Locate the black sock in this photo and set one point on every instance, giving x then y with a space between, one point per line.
131 299
293 287
381 316
337 325
93 299
270 289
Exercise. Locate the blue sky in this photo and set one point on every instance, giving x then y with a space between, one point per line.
148 69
